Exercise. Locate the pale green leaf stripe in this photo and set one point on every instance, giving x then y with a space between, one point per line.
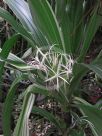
13 57
94 115
22 128
8 106
96 67
16 26
71 23
22 11
32 89
8 46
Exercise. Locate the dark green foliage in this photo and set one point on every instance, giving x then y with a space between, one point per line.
64 33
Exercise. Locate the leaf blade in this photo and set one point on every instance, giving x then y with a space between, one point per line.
45 19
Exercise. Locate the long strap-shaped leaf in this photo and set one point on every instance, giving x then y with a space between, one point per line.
91 28
70 17
94 115
77 77
32 89
49 116
21 10
9 58
7 109
96 66
12 60
13 57
6 50
22 128
45 19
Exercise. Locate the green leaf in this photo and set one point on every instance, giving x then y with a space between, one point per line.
22 66
22 127
32 89
58 96
8 106
45 19
13 57
21 10
70 17
48 116
16 26
91 29
77 77
14 61
6 50
94 115
11 60
8 46
96 66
